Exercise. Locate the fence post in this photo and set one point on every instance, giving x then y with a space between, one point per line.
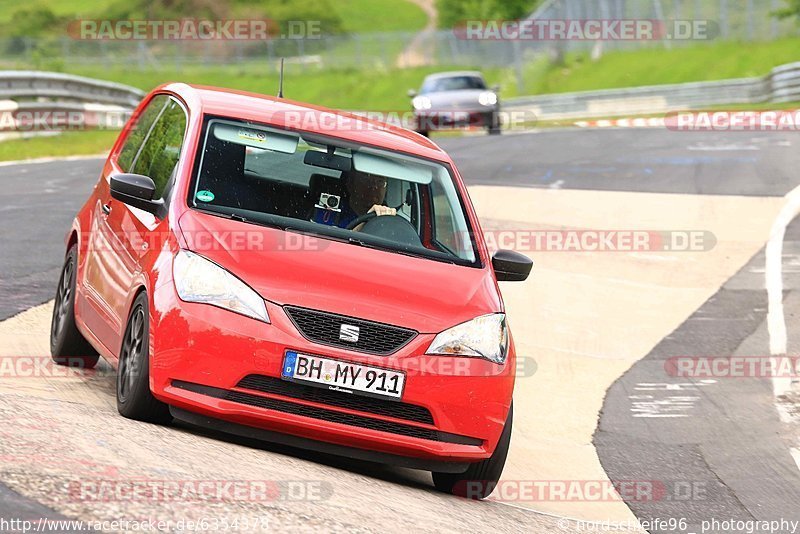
773 5
659 11
518 66
724 27
358 49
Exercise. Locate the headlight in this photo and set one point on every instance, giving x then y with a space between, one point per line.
487 99
483 337
421 102
200 280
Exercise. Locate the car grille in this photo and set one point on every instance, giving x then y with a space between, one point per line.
388 408
327 415
324 328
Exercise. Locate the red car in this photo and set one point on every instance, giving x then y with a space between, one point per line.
290 273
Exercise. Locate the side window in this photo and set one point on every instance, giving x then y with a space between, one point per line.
139 131
445 230
159 155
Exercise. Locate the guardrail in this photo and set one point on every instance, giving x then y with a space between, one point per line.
32 118
43 103
24 85
782 84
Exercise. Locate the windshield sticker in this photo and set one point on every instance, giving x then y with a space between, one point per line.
204 196
253 135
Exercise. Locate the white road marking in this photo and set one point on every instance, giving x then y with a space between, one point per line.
796 455
721 148
776 322
667 407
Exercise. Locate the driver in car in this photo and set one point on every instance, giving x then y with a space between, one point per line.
366 192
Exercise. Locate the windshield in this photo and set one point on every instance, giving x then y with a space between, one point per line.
335 189
452 83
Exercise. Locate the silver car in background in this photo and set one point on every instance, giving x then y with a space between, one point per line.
450 100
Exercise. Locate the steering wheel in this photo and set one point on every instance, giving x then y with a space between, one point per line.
361 219
369 216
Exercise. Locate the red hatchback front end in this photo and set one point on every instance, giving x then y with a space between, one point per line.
226 366
276 278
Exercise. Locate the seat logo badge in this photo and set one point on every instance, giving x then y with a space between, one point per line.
348 332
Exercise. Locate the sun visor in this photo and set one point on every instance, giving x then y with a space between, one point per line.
392 167
256 137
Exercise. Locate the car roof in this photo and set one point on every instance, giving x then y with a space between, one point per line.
453 74
305 117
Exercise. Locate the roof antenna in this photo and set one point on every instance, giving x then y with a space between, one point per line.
280 82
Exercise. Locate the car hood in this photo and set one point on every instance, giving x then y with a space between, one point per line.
454 100
288 268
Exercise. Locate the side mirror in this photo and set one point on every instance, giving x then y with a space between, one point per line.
510 266
495 88
411 93
136 190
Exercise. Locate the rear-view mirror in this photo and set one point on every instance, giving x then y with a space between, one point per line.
328 161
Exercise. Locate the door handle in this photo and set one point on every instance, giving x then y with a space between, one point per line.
106 209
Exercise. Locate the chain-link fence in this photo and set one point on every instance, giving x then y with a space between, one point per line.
374 50
746 20
741 20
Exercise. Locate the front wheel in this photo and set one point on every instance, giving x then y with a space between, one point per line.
480 479
134 398
67 345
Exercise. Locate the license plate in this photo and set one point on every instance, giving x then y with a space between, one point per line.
345 377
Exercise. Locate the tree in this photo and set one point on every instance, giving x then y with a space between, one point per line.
791 10
453 12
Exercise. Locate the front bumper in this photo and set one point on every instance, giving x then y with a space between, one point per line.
201 355
450 119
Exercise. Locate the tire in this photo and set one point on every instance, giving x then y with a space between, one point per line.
67 345
480 479
134 398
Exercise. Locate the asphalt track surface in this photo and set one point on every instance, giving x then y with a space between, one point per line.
732 444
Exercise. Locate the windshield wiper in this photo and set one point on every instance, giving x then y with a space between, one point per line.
398 250
241 218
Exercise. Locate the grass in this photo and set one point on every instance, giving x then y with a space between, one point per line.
380 15
385 89
659 66
352 90
66 144
356 15
76 8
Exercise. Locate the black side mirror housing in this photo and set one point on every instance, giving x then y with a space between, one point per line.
136 190
510 266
